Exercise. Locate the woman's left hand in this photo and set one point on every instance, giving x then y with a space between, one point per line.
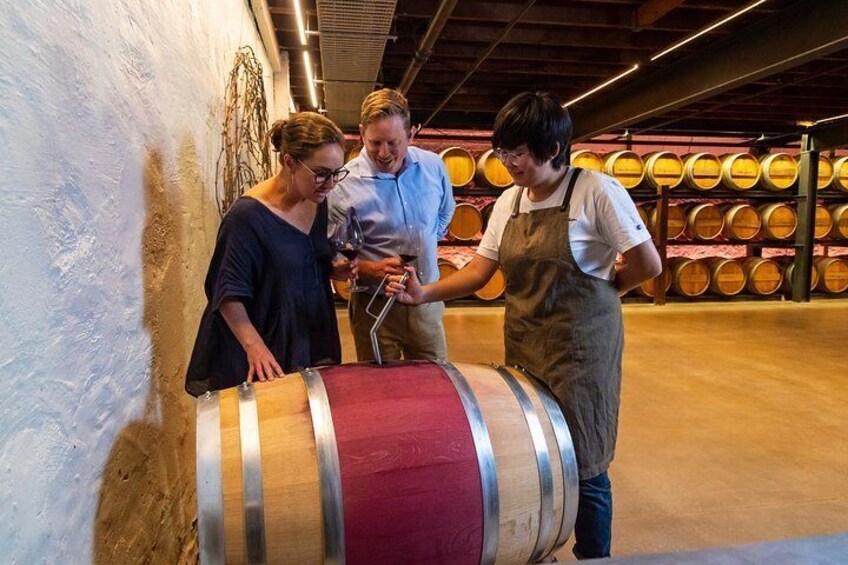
344 269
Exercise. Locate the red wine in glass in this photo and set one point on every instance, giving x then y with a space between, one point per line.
349 254
348 240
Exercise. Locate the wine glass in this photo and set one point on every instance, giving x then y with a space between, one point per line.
348 240
409 244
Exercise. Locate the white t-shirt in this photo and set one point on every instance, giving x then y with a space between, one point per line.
603 221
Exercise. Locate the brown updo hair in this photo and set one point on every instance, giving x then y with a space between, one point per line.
302 133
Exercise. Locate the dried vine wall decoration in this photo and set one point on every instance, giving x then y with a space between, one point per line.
244 140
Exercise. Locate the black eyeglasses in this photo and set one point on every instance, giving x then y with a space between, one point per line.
320 178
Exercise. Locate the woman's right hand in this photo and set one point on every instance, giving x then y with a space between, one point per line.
262 365
410 292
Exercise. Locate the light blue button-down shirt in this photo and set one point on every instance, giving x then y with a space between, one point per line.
419 195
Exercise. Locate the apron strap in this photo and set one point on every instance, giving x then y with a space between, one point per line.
516 205
575 172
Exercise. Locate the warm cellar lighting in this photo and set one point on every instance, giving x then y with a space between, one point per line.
301 29
310 79
707 29
830 119
601 86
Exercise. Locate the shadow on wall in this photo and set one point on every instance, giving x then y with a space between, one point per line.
146 509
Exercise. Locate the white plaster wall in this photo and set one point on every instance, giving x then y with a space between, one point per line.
110 116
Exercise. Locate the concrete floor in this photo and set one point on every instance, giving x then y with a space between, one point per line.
734 420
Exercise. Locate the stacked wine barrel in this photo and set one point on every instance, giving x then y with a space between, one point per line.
758 276
713 203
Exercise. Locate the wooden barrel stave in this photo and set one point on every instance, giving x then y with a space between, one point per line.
663 168
779 171
704 221
741 222
407 466
833 274
491 172
588 160
466 222
701 171
626 167
740 171
459 164
727 276
779 221
765 276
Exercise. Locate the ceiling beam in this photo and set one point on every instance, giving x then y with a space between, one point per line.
652 10
808 30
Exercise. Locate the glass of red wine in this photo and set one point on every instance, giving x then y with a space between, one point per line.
409 244
348 240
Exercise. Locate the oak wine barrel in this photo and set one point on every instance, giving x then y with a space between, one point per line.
466 222
625 166
779 171
586 159
704 221
701 171
741 222
740 171
833 274
494 288
689 277
839 215
459 164
764 275
727 276
663 168
824 223
491 172
648 288
789 276
779 221
825 171
676 221
426 462
840 174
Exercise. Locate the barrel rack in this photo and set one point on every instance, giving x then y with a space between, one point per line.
814 140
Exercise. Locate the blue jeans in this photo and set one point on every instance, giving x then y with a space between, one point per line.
593 528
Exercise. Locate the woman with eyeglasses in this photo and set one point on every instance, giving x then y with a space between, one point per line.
270 308
556 235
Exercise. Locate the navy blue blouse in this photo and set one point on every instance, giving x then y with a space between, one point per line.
282 276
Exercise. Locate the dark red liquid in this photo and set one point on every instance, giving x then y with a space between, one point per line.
349 253
408 258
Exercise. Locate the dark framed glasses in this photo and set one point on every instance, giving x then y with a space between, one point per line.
324 176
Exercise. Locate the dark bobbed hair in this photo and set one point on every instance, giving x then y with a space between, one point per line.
302 133
537 119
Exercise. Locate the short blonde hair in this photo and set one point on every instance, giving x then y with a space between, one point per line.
302 133
385 103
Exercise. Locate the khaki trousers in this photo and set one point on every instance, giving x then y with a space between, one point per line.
410 332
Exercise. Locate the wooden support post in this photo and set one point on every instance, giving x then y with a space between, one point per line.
661 241
804 235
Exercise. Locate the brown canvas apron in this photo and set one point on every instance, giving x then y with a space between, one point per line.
564 327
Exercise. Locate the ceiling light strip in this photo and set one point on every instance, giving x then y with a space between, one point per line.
301 27
310 79
601 86
707 29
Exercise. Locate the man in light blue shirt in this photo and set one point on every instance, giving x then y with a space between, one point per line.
398 192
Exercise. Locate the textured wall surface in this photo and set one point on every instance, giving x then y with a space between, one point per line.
110 118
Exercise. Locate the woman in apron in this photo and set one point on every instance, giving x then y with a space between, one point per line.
557 234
